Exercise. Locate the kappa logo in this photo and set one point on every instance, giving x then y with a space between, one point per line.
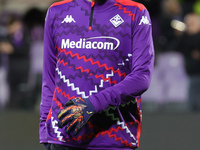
116 20
68 19
144 20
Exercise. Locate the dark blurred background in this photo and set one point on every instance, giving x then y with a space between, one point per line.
171 106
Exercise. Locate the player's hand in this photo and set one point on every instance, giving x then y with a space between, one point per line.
75 115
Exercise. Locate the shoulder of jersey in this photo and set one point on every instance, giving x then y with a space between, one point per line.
131 3
60 3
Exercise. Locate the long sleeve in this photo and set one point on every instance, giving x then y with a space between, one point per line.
139 79
48 83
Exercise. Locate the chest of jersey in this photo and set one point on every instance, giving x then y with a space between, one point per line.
91 30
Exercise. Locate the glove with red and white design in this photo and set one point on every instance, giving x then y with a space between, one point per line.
76 114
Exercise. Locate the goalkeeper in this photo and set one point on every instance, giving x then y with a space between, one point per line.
98 60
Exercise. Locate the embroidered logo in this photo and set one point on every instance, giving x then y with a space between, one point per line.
68 19
144 20
116 20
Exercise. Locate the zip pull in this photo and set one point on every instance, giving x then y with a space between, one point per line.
91 15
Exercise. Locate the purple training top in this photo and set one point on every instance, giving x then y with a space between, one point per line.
102 51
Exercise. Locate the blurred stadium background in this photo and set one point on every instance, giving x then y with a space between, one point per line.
171 119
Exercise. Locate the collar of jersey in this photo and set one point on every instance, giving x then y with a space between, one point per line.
98 6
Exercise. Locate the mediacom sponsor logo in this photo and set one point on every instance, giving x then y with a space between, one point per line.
90 43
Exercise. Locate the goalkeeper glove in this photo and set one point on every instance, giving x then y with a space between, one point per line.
75 115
